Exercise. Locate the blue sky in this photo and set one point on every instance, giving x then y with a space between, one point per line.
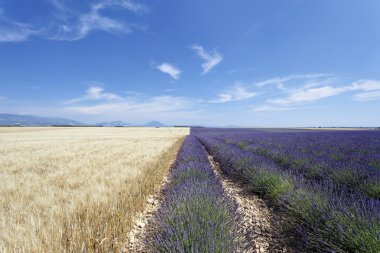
207 62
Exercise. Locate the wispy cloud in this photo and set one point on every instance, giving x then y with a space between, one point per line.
95 93
152 105
314 88
86 22
94 20
72 24
11 31
368 96
266 108
17 33
96 102
211 59
237 93
130 5
308 95
365 85
371 88
280 82
169 69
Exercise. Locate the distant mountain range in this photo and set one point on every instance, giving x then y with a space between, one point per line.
125 124
118 123
29 120
154 124
7 119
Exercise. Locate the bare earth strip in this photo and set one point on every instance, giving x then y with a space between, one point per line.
144 223
262 226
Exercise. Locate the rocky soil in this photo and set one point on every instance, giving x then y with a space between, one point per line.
262 226
144 223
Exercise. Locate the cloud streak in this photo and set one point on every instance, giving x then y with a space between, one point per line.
11 31
72 24
169 69
155 104
110 103
280 82
266 108
308 95
94 20
15 34
95 93
367 96
211 59
315 88
237 93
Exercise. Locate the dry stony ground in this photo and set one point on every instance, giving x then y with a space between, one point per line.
261 226
76 189
143 223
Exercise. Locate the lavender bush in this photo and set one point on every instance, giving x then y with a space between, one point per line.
196 215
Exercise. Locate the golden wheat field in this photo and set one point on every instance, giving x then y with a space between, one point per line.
78 189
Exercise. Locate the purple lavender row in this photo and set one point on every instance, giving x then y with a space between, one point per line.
349 158
196 214
327 217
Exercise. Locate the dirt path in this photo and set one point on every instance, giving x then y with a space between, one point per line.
261 225
144 222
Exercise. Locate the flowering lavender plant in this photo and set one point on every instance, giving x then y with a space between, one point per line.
196 214
326 182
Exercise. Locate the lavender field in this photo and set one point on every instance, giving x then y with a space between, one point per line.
311 191
326 183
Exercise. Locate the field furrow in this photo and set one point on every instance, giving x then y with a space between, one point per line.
261 225
325 216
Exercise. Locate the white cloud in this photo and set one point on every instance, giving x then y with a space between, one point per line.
17 33
125 4
73 24
237 93
367 96
170 70
11 31
314 88
94 20
371 88
157 104
98 102
95 93
210 59
280 82
308 95
267 108
222 98
365 85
